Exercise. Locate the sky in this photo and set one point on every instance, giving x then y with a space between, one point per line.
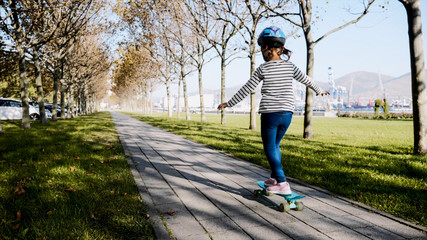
378 43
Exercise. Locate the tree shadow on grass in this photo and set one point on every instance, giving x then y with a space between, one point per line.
76 181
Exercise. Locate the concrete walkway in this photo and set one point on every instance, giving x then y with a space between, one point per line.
195 192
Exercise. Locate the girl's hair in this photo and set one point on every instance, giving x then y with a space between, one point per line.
286 52
282 51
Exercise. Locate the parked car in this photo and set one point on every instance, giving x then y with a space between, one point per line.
12 109
47 112
49 106
36 104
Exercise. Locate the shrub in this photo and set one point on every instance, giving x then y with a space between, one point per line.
376 116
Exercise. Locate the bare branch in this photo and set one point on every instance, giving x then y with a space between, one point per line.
348 23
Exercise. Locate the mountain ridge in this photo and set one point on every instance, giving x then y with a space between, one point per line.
366 85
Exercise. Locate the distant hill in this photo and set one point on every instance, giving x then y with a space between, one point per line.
368 84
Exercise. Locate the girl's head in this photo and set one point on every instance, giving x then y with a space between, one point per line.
272 41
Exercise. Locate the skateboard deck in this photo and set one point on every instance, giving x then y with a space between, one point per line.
291 199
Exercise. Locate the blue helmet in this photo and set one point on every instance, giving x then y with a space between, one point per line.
272 36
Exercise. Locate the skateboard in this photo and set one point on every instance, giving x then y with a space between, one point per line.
291 199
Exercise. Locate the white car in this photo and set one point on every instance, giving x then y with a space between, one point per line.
48 113
12 109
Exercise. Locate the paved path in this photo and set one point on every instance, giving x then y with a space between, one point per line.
195 192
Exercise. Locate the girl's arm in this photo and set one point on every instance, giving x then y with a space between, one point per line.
244 90
306 80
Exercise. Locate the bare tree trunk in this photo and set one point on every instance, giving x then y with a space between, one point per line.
19 39
419 90
178 105
168 94
199 69
39 88
187 108
150 104
308 110
68 101
24 87
252 121
62 102
79 103
56 78
71 108
223 119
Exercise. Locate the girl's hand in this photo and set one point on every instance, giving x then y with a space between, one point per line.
222 105
324 93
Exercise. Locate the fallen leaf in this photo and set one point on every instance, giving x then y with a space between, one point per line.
19 190
18 215
91 174
72 168
171 213
56 158
16 226
70 189
49 213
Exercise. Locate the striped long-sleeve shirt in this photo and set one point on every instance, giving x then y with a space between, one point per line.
277 89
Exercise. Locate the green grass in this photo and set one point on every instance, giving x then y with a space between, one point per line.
369 161
77 182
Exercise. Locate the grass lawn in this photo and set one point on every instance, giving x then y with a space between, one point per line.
369 161
68 180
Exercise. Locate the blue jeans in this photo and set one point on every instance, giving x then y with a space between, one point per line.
273 128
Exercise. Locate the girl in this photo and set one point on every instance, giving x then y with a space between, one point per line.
277 102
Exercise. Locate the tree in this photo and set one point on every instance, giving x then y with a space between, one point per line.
197 9
29 25
305 23
249 17
220 38
86 71
71 18
133 74
16 28
418 77
142 23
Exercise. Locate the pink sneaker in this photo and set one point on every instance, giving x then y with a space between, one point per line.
280 188
270 182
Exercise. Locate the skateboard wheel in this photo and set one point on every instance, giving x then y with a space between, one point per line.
257 193
284 207
299 206
264 192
